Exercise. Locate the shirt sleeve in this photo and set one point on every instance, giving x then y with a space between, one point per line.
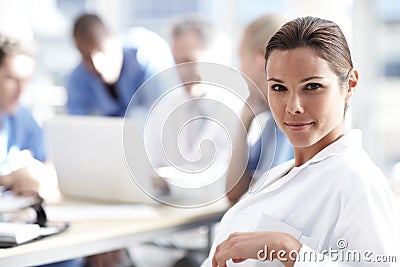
254 156
310 258
366 234
207 262
77 102
36 142
26 134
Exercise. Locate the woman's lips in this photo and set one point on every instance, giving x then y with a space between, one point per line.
298 126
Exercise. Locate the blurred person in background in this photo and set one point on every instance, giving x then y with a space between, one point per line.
186 115
112 69
270 147
194 41
22 150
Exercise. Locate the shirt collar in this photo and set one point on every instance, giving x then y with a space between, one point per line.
276 177
351 140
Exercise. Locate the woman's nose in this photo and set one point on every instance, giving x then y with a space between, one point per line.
294 104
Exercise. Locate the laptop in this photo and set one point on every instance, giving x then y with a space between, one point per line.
88 154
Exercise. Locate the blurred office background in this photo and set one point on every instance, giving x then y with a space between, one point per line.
371 26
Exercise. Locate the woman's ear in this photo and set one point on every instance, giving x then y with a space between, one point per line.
351 84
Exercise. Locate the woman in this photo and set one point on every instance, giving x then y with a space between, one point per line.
331 206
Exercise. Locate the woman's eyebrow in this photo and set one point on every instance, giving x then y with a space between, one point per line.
275 80
310 78
302 81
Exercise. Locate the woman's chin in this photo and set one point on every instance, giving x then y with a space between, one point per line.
301 141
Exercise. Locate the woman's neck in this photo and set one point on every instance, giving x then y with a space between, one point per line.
304 154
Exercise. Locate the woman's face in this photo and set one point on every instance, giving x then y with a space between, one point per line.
306 97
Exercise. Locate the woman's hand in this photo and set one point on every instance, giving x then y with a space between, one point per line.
256 245
21 182
31 177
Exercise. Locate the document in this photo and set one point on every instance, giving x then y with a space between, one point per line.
10 202
17 233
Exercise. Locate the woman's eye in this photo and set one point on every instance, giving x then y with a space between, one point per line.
313 86
278 87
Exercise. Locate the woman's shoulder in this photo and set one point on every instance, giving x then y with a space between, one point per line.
354 172
358 164
22 116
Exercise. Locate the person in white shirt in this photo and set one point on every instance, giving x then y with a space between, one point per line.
190 127
331 205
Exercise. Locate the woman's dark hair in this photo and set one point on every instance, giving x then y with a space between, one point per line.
323 36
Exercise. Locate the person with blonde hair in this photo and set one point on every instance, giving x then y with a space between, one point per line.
270 147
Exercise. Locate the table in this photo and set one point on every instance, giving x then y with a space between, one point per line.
90 237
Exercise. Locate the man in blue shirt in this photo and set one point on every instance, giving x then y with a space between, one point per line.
21 140
111 71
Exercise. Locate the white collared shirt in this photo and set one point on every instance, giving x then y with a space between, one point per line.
337 197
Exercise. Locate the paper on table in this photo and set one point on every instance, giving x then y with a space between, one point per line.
17 233
96 212
9 202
